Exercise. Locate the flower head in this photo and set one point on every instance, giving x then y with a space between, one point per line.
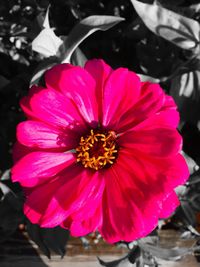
99 151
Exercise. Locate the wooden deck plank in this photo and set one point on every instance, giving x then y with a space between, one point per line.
20 252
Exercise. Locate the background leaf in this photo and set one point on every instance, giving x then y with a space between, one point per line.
165 253
146 78
178 29
78 58
85 28
10 212
126 261
47 43
185 90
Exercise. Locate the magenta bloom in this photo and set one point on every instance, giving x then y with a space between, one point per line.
99 151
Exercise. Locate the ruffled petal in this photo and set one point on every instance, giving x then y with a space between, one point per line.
173 170
150 101
162 175
100 71
157 142
138 192
84 227
78 85
38 198
37 134
122 219
58 70
121 92
166 117
78 198
37 167
57 110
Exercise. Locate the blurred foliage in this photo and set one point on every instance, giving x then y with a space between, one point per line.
131 44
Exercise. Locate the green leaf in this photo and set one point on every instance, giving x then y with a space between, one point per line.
127 260
78 58
194 8
189 213
178 29
46 23
47 43
173 254
35 234
46 64
146 78
85 28
49 238
57 51
56 239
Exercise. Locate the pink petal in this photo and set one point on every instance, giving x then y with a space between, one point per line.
141 188
160 142
170 203
25 102
57 110
19 151
39 135
82 228
174 169
37 167
151 101
50 75
121 92
84 193
122 217
38 198
164 173
78 85
100 71
167 116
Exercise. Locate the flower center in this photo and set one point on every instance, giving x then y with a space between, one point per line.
97 149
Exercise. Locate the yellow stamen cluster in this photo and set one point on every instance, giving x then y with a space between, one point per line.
97 150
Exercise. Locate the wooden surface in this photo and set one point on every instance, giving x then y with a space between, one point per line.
20 252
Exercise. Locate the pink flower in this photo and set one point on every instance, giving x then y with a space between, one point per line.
99 151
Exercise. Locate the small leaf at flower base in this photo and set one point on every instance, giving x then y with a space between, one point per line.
195 178
178 29
188 212
56 239
49 238
6 175
34 233
195 201
47 43
192 165
85 28
126 261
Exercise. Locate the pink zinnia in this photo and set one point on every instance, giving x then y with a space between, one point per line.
99 151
